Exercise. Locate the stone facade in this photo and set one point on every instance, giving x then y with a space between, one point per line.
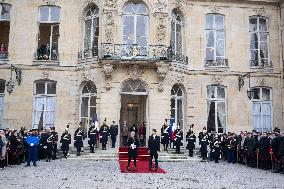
159 75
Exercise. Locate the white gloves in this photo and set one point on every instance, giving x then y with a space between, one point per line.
32 144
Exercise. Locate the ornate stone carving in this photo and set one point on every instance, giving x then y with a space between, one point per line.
45 74
260 12
108 71
262 82
134 72
178 77
162 71
214 9
109 26
111 4
161 6
161 28
217 80
50 2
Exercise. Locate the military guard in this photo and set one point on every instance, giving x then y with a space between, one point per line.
65 141
191 139
54 143
92 134
49 145
165 135
216 148
154 147
113 133
79 137
203 141
178 138
104 134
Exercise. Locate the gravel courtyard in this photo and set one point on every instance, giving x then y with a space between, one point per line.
79 173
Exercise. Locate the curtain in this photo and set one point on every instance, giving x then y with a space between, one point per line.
1 110
266 113
221 116
50 111
38 110
257 116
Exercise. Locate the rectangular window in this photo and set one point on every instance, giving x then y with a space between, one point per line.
216 109
4 30
48 34
258 29
44 104
262 109
215 40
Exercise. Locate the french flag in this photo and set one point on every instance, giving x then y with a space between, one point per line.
95 121
172 128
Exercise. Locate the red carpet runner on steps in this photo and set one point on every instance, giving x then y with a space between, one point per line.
142 161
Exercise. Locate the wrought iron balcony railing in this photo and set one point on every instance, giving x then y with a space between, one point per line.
219 62
140 53
260 64
4 55
44 53
88 53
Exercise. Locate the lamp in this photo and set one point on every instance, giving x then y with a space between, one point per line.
10 84
250 90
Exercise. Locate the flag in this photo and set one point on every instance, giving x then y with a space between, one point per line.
95 121
172 128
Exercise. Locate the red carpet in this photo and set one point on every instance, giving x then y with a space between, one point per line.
142 162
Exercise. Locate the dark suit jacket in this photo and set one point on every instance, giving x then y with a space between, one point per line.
154 144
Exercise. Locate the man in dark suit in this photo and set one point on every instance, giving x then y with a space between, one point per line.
154 147
113 133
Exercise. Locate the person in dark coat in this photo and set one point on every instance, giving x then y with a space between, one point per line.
281 151
134 129
113 133
231 149
216 148
92 134
15 142
274 146
43 144
250 146
133 144
65 141
79 137
142 134
49 145
104 134
203 141
33 142
263 146
178 138
54 143
165 135
191 139
154 147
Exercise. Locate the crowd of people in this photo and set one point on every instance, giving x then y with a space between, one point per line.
255 149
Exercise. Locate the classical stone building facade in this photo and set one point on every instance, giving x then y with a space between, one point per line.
188 61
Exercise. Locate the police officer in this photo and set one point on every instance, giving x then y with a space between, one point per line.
165 135
113 133
32 141
92 134
154 147
65 141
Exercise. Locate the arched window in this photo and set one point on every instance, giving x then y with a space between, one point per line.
176 33
44 104
177 110
88 104
135 28
48 33
2 92
4 29
91 31
262 109
136 87
216 108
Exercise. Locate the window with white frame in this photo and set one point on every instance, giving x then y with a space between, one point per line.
48 33
2 92
258 29
215 40
176 33
4 29
91 30
44 104
135 29
177 110
88 104
262 109
216 108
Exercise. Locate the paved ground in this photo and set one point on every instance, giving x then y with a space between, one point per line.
84 173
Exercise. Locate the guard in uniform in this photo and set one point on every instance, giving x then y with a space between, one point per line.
65 141
79 137
165 135
113 133
203 141
216 148
154 147
191 139
104 133
178 138
133 143
55 140
231 149
92 134
49 145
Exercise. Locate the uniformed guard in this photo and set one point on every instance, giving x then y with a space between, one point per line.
65 141
154 147
92 134
32 141
203 141
191 139
55 141
79 137
133 144
113 133
216 148
178 138
165 135
104 134
49 145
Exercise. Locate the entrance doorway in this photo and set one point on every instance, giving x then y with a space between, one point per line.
133 104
